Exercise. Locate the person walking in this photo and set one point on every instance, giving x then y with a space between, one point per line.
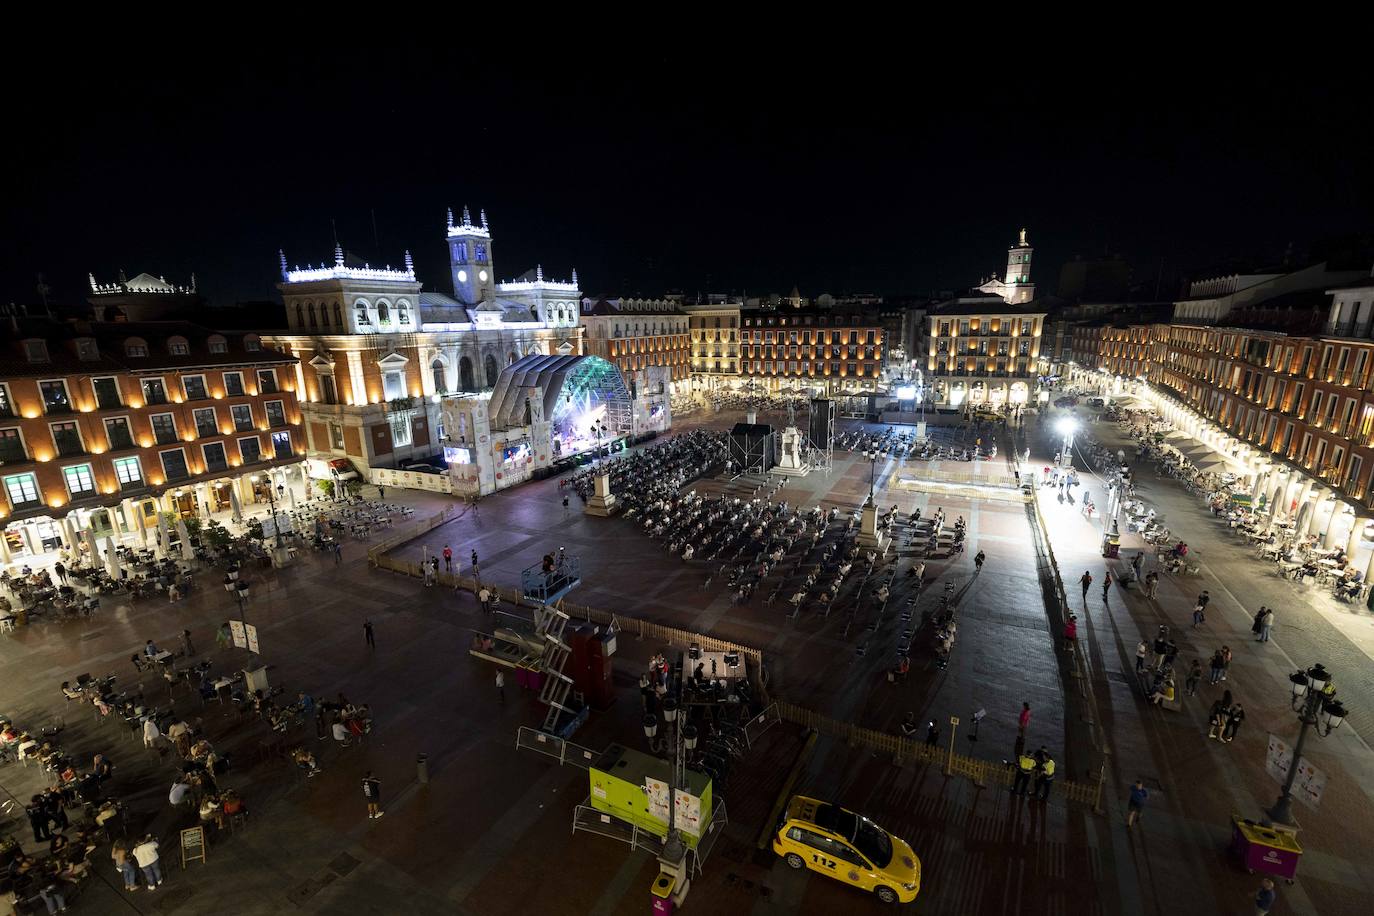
186 644
1136 562
484 598
501 684
1142 649
372 791
1234 717
1259 619
1266 624
1151 584
1106 586
1216 719
1216 666
369 635
433 570
39 820
1225 661
1194 678
381 493
1071 632
1136 804
338 552
448 558
145 854
474 562
1086 581
1265 897
428 573
1023 721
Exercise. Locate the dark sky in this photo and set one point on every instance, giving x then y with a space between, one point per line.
652 174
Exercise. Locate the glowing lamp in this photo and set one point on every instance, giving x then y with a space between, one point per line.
1066 426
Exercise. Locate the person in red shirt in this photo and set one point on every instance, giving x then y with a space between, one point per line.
448 559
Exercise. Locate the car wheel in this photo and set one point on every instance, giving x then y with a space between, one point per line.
886 894
795 860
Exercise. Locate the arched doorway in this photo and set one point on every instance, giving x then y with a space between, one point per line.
490 366
465 379
510 358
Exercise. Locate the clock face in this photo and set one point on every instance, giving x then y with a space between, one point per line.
462 276
482 275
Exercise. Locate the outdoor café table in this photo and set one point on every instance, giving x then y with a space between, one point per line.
164 657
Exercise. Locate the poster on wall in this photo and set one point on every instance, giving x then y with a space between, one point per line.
657 794
688 813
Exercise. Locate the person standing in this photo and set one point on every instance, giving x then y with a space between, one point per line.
61 572
1151 584
1266 624
1265 897
501 684
1234 717
1216 719
372 791
1023 721
428 573
1194 678
145 854
381 493
448 558
1137 562
1142 649
1086 581
1215 665
1225 661
124 861
474 562
1136 804
186 645
484 598
370 636
338 552
1025 766
1106 586
1045 777
433 570
39 820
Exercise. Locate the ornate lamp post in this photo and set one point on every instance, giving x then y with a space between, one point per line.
684 738
872 454
1066 427
239 589
1314 700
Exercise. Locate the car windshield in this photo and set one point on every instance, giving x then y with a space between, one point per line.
874 843
867 837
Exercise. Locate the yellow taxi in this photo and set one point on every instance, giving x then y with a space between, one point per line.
847 847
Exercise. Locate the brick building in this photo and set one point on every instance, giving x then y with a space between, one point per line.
637 334
103 425
834 350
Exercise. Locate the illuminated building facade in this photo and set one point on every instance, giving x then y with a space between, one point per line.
377 353
828 351
103 425
637 334
715 339
980 349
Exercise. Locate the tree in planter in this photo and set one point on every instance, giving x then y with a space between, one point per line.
326 487
193 527
217 535
255 530
353 487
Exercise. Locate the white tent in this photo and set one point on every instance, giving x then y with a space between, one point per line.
187 551
89 537
111 559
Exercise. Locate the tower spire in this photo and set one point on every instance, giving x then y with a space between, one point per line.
92 279
281 255
338 255
574 280
467 217
539 272
410 263
484 218
450 217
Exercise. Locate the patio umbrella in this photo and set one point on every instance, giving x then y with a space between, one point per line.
234 501
187 552
164 542
139 525
89 537
111 560
70 534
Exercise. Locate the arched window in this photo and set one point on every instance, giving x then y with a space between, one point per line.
300 315
310 314
338 317
361 306
440 384
465 379
383 313
490 366
178 346
403 311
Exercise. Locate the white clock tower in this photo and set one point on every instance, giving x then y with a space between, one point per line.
470 257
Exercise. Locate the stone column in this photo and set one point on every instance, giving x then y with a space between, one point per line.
1308 509
1352 542
5 555
300 355
426 357
451 370
203 500
1329 537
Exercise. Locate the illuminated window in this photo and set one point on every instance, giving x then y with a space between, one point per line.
22 490
79 480
128 472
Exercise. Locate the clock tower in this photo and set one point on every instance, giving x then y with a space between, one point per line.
470 258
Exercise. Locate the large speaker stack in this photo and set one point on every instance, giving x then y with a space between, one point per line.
822 430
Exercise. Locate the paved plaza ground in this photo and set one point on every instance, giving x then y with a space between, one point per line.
491 831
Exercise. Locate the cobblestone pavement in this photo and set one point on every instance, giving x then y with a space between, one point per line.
489 833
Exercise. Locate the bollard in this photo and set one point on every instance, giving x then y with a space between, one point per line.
422 769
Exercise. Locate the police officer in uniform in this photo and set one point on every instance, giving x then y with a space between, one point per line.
1025 766
1045 776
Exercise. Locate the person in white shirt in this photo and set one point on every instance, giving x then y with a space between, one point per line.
150 733
145 854
178 793
341 734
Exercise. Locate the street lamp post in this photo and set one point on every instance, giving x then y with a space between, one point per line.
239 589
1314 700
1066 427
684 738
872 454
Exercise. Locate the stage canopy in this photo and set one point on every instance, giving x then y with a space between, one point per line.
579 391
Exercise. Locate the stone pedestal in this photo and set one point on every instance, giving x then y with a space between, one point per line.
281 557
869 535
603 501
790 463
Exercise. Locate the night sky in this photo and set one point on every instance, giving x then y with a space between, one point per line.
655 174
